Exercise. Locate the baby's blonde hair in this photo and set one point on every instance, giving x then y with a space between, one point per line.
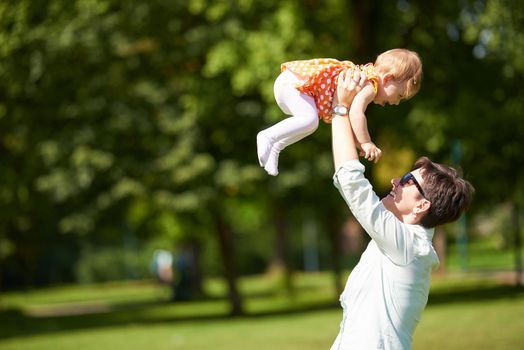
405 65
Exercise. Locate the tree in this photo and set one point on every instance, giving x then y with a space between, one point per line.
93 118
141 117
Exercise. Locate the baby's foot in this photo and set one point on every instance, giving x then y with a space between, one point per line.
271 166
264 145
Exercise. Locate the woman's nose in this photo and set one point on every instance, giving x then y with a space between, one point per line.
395 182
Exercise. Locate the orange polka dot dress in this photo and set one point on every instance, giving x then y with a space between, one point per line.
319 80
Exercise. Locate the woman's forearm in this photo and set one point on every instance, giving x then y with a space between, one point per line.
344 148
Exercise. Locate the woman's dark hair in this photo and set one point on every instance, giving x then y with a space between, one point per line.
449 194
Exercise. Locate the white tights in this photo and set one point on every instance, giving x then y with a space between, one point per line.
303 122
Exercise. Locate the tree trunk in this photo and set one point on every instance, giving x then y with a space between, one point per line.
225 237
334 232
196 268
440 244
282 262
363 28
360 25
515 218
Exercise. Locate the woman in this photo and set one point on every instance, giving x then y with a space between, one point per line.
387 291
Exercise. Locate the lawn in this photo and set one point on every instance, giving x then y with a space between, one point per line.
464 313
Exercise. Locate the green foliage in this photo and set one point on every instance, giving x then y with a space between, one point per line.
141 117
93 118
106 264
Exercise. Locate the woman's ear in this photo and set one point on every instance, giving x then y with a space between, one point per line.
423 206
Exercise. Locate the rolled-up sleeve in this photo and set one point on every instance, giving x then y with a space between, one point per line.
390 234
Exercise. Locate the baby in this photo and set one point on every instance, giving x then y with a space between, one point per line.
304 90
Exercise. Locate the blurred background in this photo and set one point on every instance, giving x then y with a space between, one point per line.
134 211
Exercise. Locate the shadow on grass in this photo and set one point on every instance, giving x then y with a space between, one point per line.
16 323
474 294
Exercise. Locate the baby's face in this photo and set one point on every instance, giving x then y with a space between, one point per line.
390 92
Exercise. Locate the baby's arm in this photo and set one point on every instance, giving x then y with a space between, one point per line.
357 116
359 123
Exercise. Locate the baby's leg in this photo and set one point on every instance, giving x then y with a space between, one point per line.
285 133
271 165
303 122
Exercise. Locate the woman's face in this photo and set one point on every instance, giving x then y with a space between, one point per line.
402 200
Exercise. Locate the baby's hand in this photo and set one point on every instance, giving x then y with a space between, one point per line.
370 151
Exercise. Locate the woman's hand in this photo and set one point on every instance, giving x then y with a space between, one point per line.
349 83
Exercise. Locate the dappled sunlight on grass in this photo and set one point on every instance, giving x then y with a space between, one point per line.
140 316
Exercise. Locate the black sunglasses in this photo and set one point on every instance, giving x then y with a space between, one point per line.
405 180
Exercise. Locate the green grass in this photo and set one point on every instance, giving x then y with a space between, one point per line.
107 292
485 324
482 254
463 313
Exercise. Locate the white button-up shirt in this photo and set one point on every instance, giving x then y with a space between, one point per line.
388 289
